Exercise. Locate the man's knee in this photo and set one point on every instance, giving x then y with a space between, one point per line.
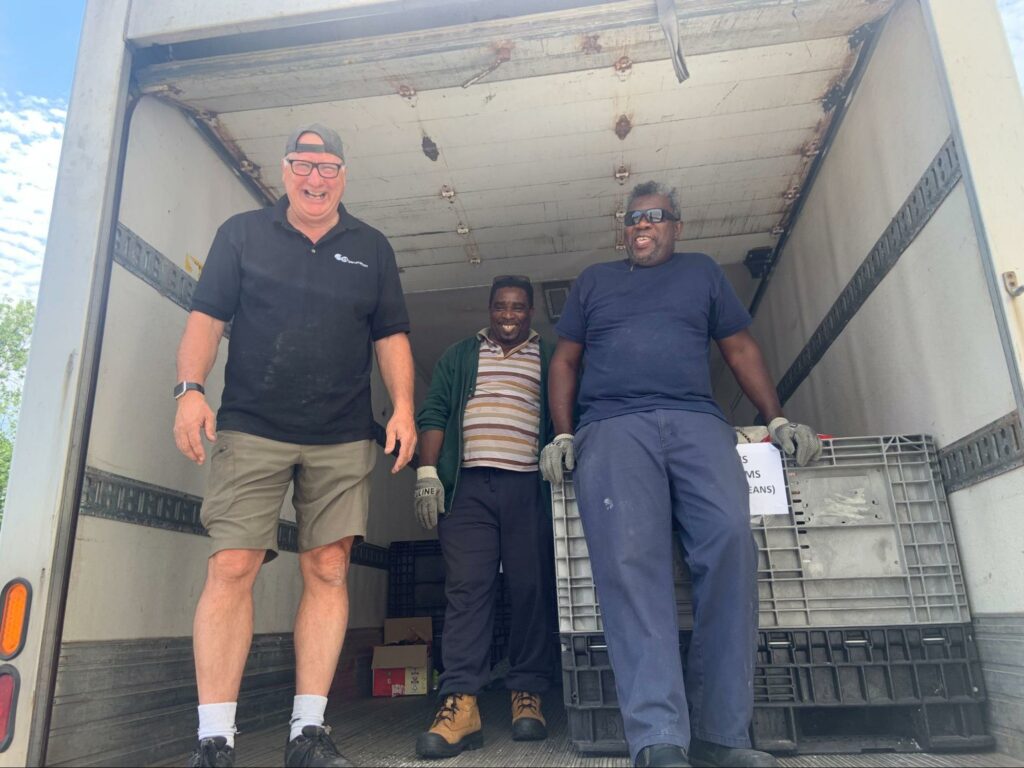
328 564
235 567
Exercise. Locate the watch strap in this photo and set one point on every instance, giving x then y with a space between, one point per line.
187 386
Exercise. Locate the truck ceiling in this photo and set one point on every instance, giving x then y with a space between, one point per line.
509 144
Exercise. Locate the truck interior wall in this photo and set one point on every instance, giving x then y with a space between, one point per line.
922 354
134 582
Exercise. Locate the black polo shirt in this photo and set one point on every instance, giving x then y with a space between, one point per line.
304 317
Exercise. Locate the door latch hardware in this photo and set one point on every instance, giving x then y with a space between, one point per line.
1012 284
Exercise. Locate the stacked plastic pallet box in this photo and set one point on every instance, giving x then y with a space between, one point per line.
416 578
865 640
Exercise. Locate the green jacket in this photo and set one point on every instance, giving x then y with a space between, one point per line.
450 388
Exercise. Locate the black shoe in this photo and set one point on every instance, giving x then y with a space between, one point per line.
705 753
313 748
212 753
667 755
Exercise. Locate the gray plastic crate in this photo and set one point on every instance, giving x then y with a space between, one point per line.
868 541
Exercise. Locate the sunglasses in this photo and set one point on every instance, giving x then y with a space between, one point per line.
653 215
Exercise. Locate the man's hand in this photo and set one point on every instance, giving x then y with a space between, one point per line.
796 439
402 428
557 455
193 417
428 498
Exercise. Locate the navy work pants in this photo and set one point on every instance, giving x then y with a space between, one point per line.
497 518
634 474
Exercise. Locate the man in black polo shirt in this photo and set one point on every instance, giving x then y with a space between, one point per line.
311 292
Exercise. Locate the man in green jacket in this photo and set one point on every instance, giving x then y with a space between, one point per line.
481 429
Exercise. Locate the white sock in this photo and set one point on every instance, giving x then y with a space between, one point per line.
218 720
307 710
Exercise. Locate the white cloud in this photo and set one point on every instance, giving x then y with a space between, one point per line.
31 130
1012 12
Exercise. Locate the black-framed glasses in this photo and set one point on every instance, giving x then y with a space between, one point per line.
653 215
305 168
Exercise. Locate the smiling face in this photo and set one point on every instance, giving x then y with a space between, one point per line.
651 244
312 200
511 314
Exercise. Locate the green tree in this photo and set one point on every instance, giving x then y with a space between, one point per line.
15 333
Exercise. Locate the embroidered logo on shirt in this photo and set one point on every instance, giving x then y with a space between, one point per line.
347 260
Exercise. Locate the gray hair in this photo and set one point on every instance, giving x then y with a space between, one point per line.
648 188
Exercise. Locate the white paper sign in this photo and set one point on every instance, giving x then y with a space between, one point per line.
763 464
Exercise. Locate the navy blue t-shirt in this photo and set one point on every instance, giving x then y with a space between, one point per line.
646 333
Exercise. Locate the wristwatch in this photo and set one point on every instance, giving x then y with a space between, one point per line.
187 386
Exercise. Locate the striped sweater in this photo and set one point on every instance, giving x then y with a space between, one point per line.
502 416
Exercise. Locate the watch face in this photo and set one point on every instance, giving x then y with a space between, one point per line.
179 390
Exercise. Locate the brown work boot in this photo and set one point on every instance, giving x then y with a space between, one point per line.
527 720
456 727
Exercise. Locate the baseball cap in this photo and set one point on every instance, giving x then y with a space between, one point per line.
331 140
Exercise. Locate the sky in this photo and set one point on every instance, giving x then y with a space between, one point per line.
38 44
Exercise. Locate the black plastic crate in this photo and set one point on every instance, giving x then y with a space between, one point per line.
907 728
870 666
842 690
415 572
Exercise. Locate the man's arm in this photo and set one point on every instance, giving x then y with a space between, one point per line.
563 374
428 496
559 455
744 358
394 356
196 355
430 444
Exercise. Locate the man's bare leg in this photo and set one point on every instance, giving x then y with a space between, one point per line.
319 634
221 636
222 630
323 616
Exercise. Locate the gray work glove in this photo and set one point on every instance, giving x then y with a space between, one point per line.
557 454
428 498
796 439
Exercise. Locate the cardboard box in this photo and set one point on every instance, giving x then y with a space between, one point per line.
401 670
403 665
417 629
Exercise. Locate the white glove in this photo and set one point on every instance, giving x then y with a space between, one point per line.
798 439
557 454
428 498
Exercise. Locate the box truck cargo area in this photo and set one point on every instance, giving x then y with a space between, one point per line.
853 165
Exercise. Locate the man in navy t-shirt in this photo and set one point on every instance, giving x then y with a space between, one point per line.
651 445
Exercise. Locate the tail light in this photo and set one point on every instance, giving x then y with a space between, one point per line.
15 601
9 683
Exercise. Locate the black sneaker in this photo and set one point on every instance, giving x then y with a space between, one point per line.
662 756
708 754
212 753
313 748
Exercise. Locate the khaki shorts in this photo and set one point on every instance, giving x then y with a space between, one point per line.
249 477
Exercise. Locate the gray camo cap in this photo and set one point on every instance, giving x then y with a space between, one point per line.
331 140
